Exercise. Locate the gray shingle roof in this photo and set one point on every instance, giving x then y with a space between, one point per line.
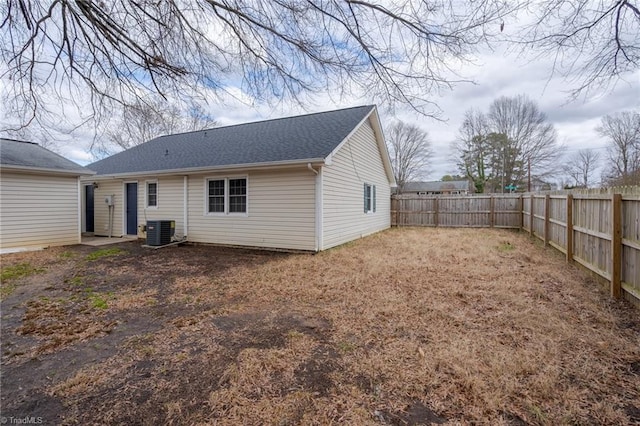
299 138
28 155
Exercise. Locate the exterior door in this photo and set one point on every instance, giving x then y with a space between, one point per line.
132 208
88 208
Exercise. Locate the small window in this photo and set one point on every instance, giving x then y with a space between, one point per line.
227 196
216 196
369 198
152 194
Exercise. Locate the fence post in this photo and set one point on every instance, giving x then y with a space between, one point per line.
616 246
531 215
435 211
547 209
394 212
492 212
569 228
521 205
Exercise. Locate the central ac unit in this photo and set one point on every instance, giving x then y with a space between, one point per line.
160 232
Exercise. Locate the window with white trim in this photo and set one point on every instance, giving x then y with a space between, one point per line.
369 198
226 196
237 195
216 196
152 194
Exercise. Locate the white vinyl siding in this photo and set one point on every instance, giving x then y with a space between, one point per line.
358 162
280 211
101 209
170 200
170 203
38 210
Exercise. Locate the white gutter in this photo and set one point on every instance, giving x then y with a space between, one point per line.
212 169
29 169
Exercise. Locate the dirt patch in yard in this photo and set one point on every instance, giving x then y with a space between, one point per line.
406 327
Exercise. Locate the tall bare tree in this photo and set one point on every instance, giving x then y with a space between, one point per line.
144 121
117 51
496 149
531 140
410 151
623 132
473 149
581 167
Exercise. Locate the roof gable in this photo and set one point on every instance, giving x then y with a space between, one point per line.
29 156
374 121
310 137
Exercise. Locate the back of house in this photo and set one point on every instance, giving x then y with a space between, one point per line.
308 182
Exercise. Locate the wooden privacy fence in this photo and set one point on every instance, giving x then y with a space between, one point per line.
477 211
599 231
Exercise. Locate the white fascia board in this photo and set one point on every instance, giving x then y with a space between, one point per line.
382 146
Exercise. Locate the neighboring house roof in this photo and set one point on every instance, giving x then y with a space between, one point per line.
29 156
303 138
452 185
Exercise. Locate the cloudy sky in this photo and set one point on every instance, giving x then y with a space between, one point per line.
494 73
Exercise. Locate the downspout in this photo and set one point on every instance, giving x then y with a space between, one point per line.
318 207
310 167
79 211
185 211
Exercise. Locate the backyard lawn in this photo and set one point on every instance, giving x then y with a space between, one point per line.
408 326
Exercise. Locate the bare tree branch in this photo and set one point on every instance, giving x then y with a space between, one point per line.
623 132
410 151
581 167
595 42
125 50
149 119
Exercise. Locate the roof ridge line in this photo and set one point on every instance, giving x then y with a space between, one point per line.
263 121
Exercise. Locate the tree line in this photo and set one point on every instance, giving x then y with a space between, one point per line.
513 144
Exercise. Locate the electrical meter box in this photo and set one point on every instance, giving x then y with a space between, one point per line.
108 200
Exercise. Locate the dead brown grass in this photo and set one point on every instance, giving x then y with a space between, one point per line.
409 326
453 320
59 323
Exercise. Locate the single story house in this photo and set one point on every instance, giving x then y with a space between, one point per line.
39 197
452 187
308 182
